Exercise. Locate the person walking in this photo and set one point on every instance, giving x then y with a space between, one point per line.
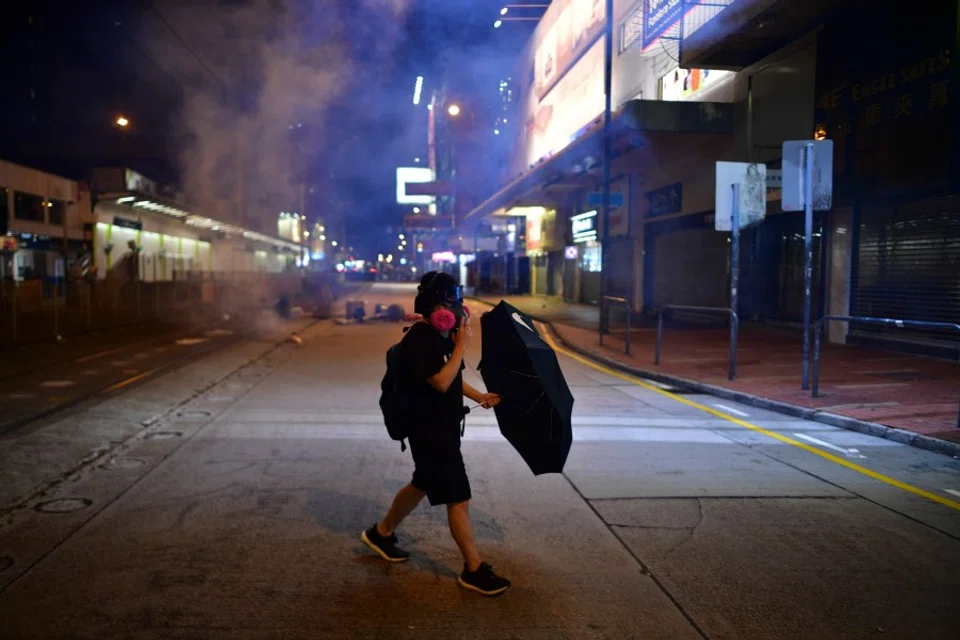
431 365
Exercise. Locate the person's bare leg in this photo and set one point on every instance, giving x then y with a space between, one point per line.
458 516
404 502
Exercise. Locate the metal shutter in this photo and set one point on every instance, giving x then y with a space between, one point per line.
908 268
691 267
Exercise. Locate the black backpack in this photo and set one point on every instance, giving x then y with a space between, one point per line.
394 402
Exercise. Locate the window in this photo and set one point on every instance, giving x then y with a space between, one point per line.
58 210
631 29
27 206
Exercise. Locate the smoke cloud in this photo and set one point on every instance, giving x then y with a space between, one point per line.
259 78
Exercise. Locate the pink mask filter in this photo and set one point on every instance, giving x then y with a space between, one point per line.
443 320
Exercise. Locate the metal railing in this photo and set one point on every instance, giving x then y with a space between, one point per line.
889 322
734 330
605 303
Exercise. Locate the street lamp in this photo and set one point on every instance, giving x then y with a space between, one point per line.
454 110
122 121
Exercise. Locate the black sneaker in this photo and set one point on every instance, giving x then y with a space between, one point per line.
483 580
385 546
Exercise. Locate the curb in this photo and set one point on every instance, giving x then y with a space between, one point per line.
902 436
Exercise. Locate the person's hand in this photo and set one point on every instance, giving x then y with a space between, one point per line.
489 400
463 334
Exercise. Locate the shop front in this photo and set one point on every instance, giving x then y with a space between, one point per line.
586 264
893 119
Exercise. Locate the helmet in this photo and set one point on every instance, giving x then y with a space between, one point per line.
436 288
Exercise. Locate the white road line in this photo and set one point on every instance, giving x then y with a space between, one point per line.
953 491
735 412
850 453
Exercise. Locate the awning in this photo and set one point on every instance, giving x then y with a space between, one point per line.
136 201
745 31
577 165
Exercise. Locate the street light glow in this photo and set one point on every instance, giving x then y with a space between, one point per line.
504 11
498 24
454 110
122 121
400 236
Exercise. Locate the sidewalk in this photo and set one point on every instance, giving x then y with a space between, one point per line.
919 395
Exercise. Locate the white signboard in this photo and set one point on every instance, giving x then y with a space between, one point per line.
752 179
407 175
794 170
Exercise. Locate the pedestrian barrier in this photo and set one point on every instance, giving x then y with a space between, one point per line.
734 330
890 322
45 309
606 301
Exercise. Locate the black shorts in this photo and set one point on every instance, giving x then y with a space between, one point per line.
438 468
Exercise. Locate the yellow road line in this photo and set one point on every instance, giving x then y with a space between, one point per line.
129 381
752 427
97 355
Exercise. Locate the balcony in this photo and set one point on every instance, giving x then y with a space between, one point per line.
734 34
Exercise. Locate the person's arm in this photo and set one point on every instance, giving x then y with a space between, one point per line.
486 400
471 392
445 377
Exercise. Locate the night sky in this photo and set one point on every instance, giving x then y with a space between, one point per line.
316 89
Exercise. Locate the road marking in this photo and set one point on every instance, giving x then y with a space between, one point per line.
850 453
58 384
188 342
57 399
98 355
129 381
953 491
131 372
752 427
19 395
735 412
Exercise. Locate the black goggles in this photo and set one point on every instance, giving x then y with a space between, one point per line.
453 295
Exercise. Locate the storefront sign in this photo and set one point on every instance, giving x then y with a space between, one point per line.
584 226
571 253
665 200
444 256
658 17
127 224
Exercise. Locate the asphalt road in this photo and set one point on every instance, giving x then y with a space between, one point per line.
678 516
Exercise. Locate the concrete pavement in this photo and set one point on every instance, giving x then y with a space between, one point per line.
238 516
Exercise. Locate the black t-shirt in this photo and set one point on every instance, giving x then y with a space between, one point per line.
423 352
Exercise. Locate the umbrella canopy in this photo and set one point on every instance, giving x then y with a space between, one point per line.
535 411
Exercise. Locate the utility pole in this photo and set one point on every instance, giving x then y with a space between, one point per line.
605 223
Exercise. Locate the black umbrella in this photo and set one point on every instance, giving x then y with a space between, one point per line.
536 405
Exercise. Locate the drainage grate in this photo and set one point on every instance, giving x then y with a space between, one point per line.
63 505
5 563
163 435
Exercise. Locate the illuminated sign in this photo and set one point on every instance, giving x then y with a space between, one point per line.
584 226
406 175
566 30
444 256
573 103
571 252
659 16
